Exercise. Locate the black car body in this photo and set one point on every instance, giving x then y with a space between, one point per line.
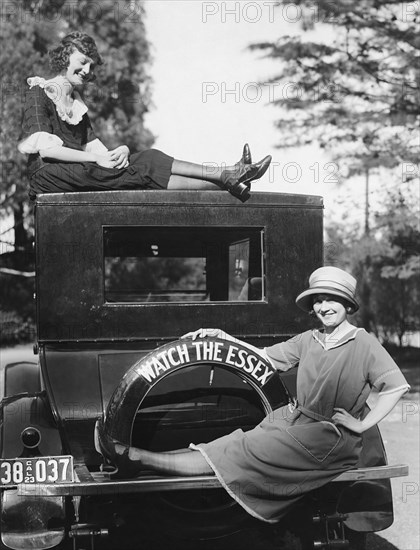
121 276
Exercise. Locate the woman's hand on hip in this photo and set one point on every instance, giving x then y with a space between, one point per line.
343 418
121 156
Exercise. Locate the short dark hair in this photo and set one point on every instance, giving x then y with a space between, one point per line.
348 305
59 56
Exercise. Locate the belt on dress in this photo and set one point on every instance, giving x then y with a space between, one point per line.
311 414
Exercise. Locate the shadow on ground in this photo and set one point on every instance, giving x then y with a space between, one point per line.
376 542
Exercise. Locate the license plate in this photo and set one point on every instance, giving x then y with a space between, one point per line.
45 469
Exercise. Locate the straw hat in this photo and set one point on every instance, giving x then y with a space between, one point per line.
329 280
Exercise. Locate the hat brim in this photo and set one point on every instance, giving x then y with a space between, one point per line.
304 300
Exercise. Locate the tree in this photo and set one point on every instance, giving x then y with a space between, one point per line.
353 87
356 94
387 266
120 97
117 100
399 267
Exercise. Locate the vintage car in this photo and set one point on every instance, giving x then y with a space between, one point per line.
120 277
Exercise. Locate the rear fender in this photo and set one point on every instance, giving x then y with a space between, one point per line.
23 377
23 411
368 504
29 521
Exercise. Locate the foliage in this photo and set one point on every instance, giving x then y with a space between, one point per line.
354 86
117 100
387 266
120 97
16 328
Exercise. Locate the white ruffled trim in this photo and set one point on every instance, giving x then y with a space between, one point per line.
39 140
54 89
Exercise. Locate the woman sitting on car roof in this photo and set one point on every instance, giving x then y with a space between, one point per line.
66 155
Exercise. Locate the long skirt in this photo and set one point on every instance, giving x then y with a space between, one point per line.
269 468
149 169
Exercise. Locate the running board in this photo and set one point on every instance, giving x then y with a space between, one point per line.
101 483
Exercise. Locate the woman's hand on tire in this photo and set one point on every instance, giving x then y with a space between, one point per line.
206 333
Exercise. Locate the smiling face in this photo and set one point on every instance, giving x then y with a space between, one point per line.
80 68
330 310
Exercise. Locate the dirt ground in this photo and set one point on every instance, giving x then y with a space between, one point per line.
401 435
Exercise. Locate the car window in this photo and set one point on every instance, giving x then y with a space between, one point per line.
183 264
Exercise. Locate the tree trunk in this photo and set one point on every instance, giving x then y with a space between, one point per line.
367 226
365 294
22 256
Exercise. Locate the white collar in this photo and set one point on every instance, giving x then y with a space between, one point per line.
54 89
337 338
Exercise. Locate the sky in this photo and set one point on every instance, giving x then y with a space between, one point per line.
209 96
207 93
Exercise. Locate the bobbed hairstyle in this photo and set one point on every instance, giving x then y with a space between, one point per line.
59 56
350 309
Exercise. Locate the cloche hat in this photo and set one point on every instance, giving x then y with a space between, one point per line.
329 280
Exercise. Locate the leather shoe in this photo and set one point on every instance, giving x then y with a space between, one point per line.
126 467
255 171
246 155
245 159
107 447
238 182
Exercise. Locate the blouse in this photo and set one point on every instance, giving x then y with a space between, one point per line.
46 123
340 376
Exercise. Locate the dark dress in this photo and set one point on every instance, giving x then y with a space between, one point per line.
149 169
296 449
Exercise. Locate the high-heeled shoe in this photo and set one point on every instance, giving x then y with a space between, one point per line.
107 447
246 154
246 157
238 182
126 467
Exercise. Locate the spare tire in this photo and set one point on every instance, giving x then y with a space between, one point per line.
259 390
145 374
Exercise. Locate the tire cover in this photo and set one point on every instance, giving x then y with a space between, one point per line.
117 424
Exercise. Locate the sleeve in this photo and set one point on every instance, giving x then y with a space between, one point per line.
382 372
35 114
37 130
285 355
37 141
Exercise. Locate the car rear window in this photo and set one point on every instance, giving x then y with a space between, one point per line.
183 264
